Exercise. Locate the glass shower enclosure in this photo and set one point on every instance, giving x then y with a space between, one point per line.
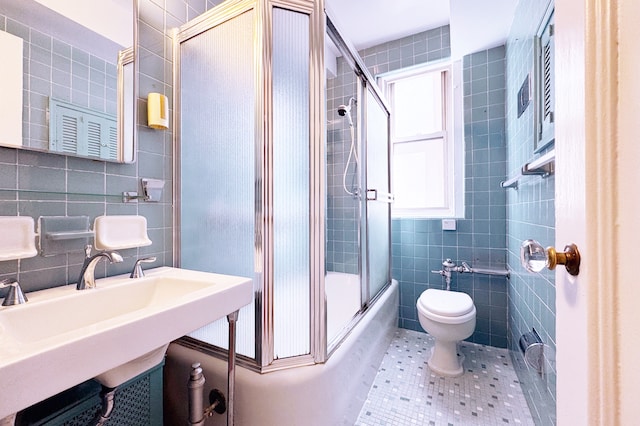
251 174
357 218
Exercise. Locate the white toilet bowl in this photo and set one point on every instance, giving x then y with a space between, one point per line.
449 316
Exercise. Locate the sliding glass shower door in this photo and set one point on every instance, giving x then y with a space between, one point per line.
358 201
378 196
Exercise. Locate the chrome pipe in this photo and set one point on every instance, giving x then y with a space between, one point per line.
498 272
108 404
232 318
196 388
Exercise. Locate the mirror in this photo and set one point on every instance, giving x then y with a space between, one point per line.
75 70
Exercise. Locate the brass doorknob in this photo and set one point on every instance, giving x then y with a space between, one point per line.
535 258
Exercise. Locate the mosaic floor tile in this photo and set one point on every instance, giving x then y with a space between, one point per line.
405 392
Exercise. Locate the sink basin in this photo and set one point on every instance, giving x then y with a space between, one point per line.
112 333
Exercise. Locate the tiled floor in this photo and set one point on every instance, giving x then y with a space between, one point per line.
405 392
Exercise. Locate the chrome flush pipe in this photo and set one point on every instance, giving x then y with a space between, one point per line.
449 266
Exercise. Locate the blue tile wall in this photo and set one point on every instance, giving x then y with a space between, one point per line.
342 209
531 214
480 237
31 170
343 214
419 245
65 61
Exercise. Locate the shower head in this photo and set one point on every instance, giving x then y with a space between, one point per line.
346 110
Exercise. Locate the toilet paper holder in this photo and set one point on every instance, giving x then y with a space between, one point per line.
532 348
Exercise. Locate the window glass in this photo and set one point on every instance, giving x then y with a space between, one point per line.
419 178
427 155
418 105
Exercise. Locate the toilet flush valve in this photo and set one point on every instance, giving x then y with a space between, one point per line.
535 258
448 264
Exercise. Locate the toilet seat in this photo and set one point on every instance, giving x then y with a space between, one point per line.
448 307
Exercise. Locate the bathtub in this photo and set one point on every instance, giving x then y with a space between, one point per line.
343 301
316 395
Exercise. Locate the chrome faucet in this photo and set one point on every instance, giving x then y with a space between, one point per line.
87 278
137 268
14 296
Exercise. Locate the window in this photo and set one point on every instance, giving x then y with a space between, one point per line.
426 140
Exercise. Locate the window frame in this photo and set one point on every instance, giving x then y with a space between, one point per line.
452 136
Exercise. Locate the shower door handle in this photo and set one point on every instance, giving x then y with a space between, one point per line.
375 195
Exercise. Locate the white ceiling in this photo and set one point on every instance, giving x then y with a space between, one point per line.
474 25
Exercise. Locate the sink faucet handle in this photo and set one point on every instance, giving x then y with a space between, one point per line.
7 282
137 268
14 296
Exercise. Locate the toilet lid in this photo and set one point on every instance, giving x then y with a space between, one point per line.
446 303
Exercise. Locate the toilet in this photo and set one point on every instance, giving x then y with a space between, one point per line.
449 316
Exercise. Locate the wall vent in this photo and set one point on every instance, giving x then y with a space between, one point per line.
545 83
81 131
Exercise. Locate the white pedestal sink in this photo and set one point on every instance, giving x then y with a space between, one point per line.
114 332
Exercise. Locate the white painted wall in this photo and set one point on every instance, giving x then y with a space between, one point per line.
366 23
479 25
111 18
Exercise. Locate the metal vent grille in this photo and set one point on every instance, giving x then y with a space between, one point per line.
69 133
113 142
83 418
94 136
547 69
544 83
78 130
132 407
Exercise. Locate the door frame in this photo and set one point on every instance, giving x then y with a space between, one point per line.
596 123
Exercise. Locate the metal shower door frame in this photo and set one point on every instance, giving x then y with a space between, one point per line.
263 244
